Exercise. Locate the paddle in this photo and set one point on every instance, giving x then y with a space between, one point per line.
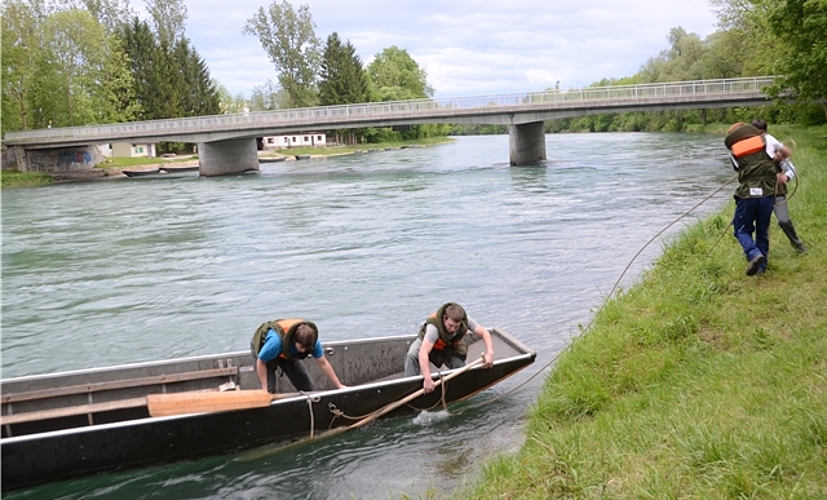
260 454
181 403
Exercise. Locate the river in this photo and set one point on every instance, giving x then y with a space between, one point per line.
108 272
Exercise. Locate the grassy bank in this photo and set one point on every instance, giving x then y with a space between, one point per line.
698 382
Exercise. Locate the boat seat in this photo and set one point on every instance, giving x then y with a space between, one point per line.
70 411
70 390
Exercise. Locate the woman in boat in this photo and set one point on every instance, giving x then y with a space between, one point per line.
282 344
442 341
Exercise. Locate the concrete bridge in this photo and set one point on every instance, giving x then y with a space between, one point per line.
227 143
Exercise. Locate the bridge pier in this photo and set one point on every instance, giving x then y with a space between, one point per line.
526 143
227 157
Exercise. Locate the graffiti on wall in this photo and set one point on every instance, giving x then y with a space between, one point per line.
73 159
61 160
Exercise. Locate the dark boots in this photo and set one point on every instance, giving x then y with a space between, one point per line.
789 230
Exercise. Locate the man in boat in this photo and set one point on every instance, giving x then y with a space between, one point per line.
283 343
755 195
442 341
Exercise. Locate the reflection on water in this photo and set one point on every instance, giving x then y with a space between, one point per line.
365 245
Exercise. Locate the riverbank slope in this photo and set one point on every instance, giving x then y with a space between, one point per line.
699 381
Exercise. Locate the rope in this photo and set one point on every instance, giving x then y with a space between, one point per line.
606 301
311 398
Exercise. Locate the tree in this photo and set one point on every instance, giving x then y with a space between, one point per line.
87 67
170 81
342 79
168 17
289 39
113 14
395 76
802 25
21 46
268 97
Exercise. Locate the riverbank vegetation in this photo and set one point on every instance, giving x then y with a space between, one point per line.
697 382
13 178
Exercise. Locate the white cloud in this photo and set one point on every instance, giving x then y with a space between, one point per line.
467 48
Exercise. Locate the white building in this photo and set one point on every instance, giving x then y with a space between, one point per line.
314 139
130 150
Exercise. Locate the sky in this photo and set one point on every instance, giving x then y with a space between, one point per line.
467 48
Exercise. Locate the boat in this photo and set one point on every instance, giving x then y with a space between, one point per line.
271 159
139 173
63 425
174 169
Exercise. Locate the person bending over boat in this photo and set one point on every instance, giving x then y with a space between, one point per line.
283 343
442 341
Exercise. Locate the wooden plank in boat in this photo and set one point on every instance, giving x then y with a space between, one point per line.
71 411
117 384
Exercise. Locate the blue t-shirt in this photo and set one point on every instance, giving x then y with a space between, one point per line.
273 346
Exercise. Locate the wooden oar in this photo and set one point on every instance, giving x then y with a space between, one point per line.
181 403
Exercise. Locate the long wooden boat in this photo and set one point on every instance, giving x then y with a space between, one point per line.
142 172
69 424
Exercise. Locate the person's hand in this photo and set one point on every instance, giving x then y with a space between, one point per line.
428 385
488 359
782 178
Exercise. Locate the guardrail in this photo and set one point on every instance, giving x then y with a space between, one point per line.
321 115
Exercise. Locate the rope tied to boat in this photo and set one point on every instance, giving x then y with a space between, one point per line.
311 398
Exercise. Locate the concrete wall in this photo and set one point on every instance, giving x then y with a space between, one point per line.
53 160
227 157
526 143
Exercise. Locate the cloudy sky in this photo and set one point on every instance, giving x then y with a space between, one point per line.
466 47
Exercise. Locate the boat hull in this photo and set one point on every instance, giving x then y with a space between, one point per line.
60 454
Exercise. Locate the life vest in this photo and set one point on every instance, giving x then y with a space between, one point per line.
285 329
450 345
756 170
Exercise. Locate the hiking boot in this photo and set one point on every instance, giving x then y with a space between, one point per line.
755 264
801 248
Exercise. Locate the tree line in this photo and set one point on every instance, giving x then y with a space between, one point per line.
754 38
80 62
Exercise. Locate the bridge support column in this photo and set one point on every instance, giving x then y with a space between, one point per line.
227 157
526 143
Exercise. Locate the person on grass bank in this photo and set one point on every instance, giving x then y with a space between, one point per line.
283 343
755 194
780 153
442 341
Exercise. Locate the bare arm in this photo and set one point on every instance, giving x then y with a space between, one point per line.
425 365
327 369
261 371
489 345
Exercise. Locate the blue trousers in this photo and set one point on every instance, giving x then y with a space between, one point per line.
752 215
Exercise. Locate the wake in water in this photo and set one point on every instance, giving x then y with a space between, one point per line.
426 418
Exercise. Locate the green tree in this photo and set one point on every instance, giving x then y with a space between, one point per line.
21 49
87 67
342 79
268 97
803 26
395 76
168 18
289 39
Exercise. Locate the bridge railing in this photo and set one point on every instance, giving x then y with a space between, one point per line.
322 115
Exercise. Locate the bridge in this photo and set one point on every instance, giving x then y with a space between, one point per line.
227 143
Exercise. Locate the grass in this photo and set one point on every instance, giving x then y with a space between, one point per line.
699 381
13 178
133 162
